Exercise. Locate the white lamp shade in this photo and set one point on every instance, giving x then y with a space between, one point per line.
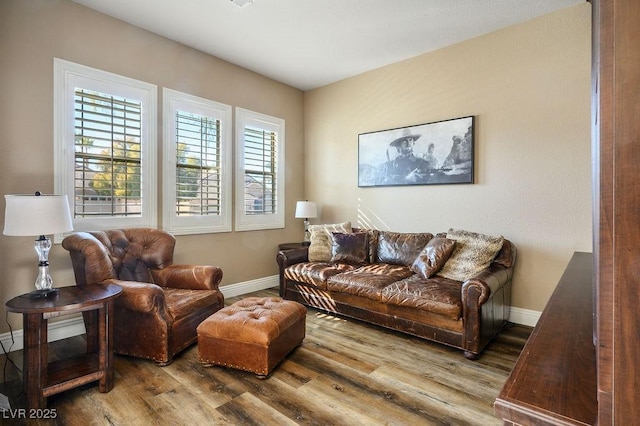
306 210
33 215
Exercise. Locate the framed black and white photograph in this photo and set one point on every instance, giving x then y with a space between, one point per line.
424 154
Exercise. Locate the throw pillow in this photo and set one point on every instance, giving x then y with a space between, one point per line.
320 247
349 248
433 257
398 248
473 253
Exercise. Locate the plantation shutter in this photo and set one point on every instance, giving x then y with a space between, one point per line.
198 165
107 155
260 167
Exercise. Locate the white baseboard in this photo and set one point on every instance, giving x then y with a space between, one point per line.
75 326
524 316
239 289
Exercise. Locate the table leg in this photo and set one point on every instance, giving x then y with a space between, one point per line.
106 349
92 330
35 360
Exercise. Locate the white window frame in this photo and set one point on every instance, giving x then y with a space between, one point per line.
67 77
174 101
245 222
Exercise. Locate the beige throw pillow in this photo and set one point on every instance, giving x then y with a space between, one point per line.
472 253
320 248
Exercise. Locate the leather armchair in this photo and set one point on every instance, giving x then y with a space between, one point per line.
161 304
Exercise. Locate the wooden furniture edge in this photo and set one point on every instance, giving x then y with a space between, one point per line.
554 379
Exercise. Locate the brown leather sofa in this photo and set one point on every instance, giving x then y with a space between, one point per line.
161 305
465 315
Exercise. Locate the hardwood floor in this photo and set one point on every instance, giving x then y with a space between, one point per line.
345 373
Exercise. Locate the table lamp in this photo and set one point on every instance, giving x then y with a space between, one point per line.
306 210
38 215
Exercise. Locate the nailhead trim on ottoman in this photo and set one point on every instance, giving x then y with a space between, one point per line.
254 334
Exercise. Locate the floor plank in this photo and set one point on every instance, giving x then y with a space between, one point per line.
346 372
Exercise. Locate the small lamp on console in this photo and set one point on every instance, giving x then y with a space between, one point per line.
38 215
306 210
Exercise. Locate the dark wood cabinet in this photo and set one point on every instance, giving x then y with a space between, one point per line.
616 184
554 380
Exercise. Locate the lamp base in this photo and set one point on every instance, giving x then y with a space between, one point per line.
43 294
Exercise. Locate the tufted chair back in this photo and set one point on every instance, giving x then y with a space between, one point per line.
123 254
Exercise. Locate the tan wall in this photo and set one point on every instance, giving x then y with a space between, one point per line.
32 33
529 88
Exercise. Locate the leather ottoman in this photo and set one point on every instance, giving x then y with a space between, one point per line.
254 334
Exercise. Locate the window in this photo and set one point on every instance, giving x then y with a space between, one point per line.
197 156
105 156
259 171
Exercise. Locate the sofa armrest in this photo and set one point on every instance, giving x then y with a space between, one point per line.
478 289
485 307
286 258
188 277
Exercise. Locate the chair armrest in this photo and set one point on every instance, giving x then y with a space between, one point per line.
139 297
477 290
188 277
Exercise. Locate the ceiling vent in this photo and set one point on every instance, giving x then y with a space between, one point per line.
242 3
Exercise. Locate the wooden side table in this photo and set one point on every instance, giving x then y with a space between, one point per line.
41 378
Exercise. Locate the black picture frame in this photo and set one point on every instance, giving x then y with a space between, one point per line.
436 153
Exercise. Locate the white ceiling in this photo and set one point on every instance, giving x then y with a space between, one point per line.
311 43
